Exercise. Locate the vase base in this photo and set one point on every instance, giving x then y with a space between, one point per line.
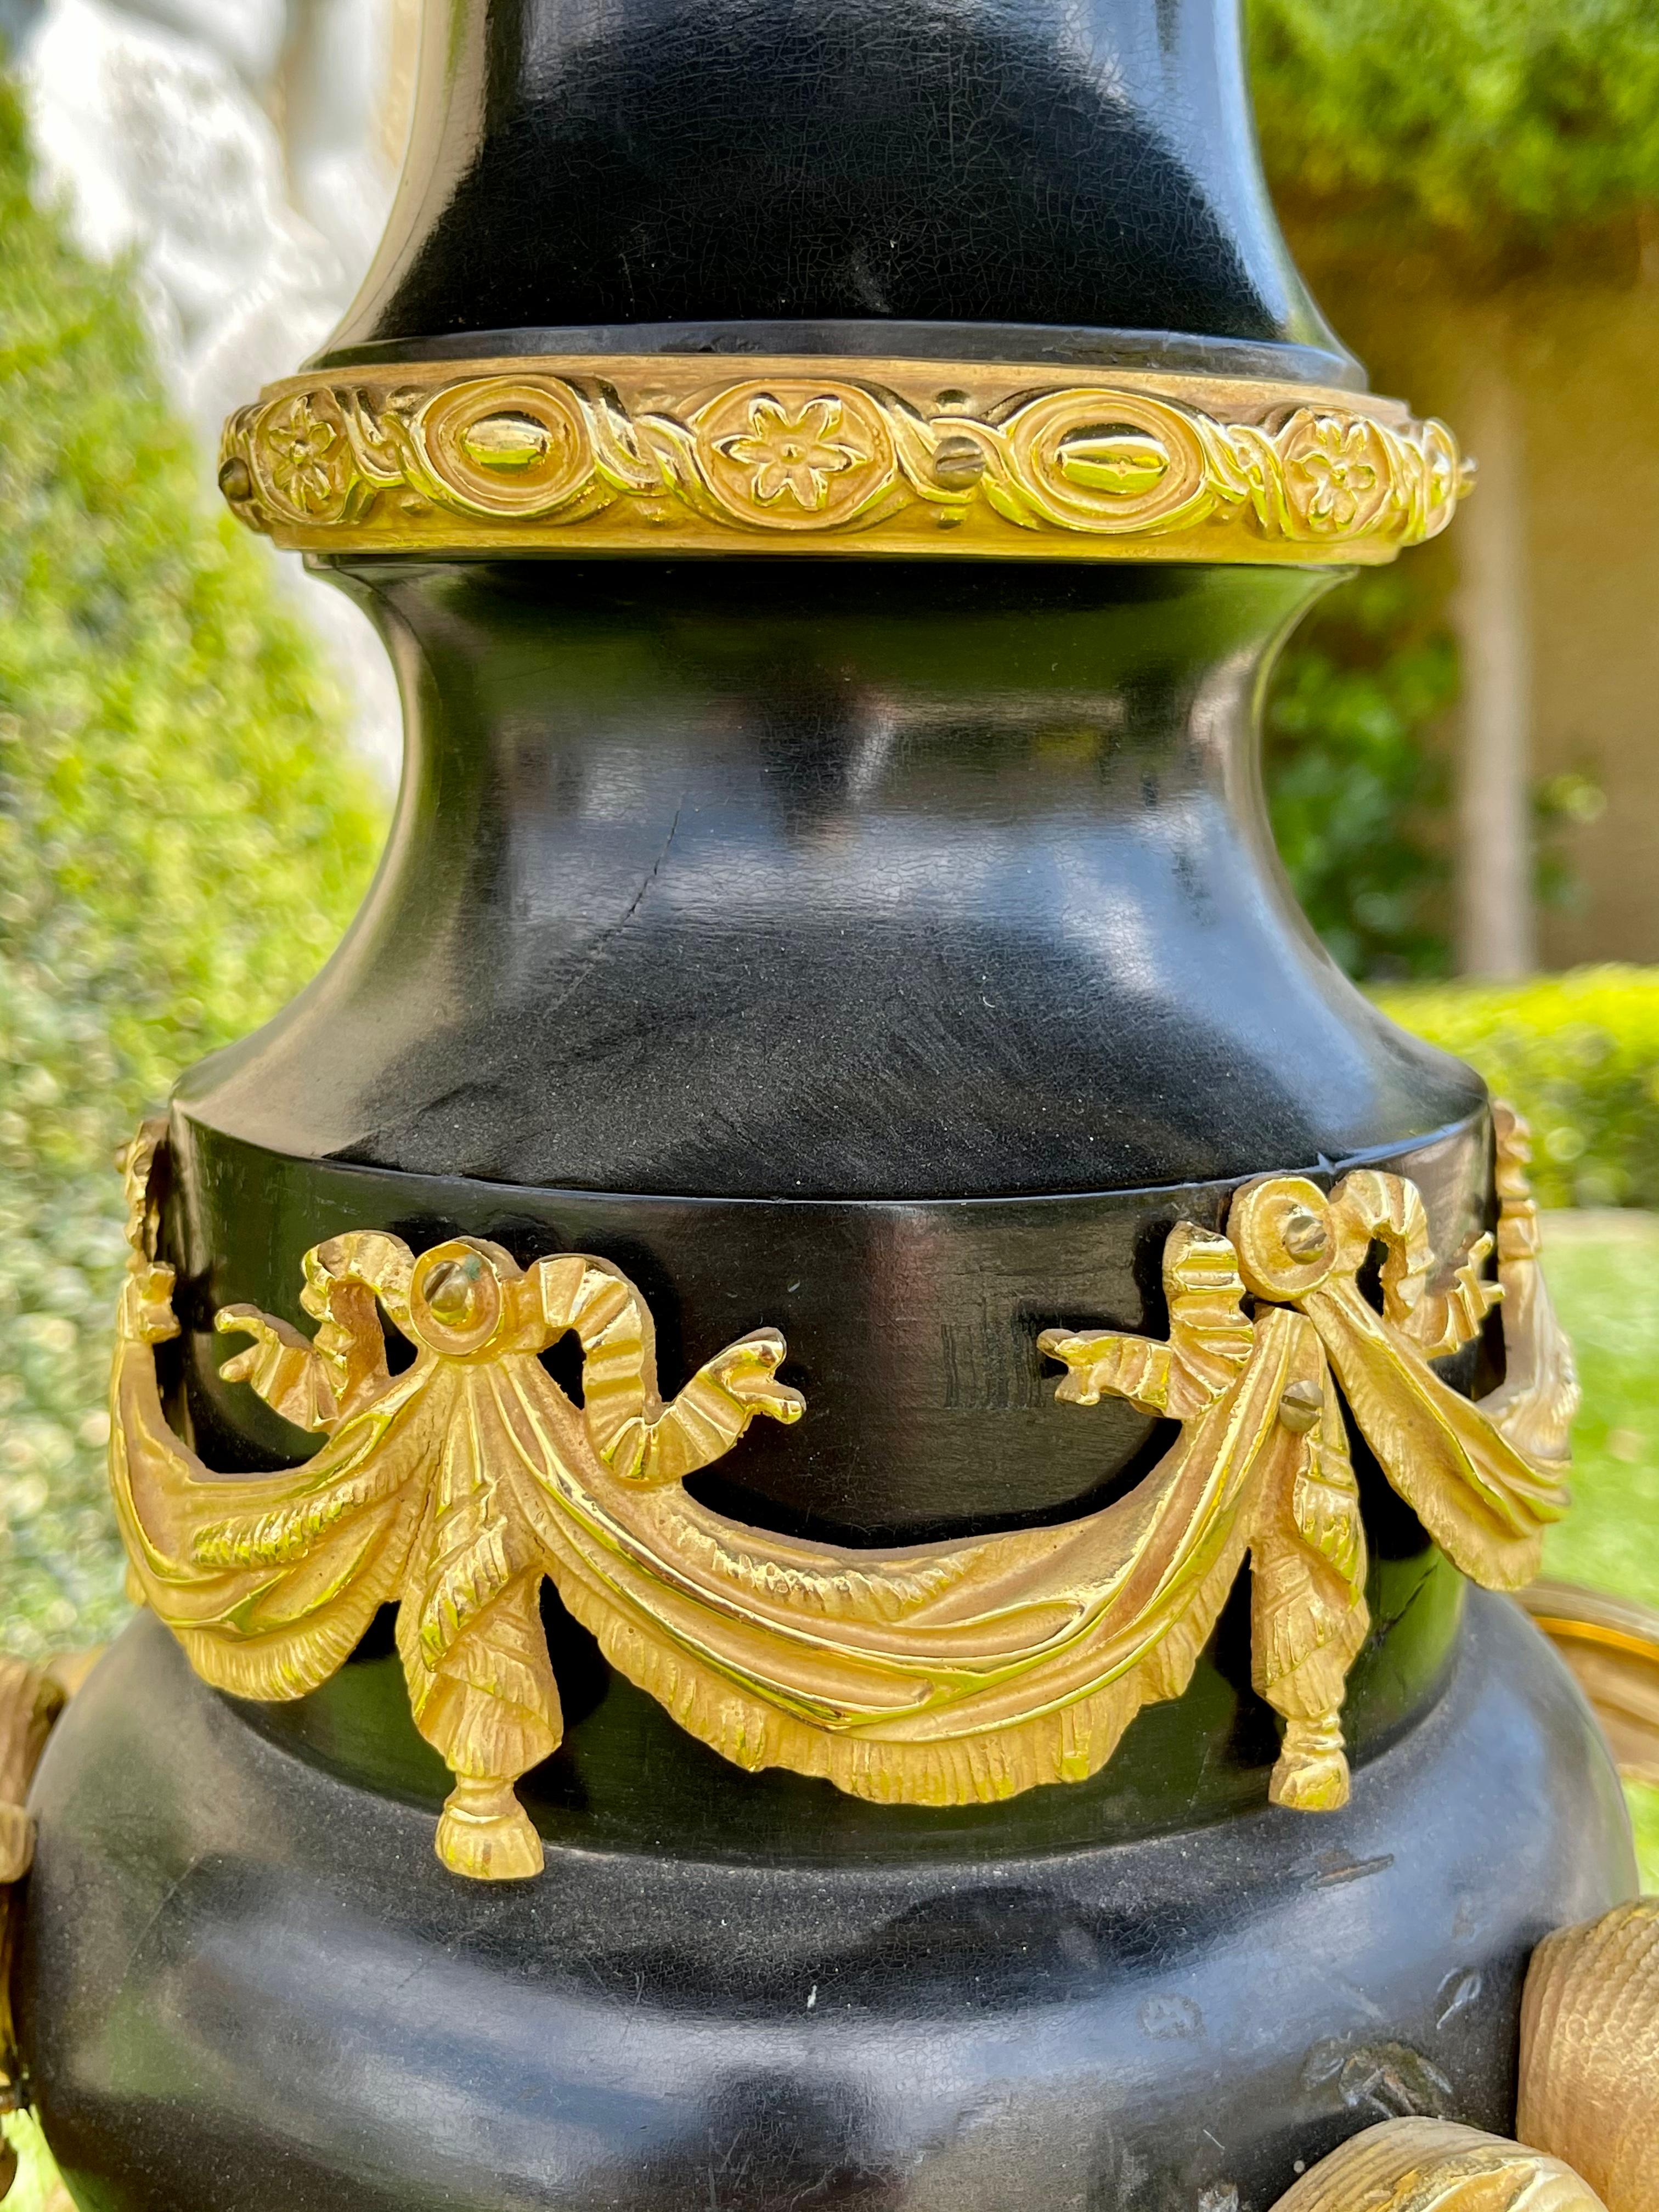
248 1984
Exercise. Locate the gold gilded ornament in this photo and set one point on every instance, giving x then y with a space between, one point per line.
453 1487
1483 1499
934 1674
1612 1645
31 1700
1438 2165
631 454
1590 2053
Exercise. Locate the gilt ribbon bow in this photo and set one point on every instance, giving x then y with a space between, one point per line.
938 1673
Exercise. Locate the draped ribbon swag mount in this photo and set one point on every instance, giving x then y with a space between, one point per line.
937 1674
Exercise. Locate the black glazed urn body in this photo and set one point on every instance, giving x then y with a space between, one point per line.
894 954
888 952
756 175
249 1985
922 902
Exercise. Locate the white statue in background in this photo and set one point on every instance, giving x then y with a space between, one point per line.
157 121
156 116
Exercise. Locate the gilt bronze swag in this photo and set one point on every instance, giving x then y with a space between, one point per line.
938 1674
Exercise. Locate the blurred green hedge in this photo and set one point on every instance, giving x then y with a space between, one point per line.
183 835
1493 123
1356 776
1577 1054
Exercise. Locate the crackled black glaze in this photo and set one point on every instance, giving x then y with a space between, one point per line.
1085 166
248 1986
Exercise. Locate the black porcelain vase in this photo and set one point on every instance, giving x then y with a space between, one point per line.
891 952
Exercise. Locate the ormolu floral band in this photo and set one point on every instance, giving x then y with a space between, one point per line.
666 454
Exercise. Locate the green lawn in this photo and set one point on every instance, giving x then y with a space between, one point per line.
1604 1270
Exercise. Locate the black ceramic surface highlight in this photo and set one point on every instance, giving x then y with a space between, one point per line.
1070 162
800 880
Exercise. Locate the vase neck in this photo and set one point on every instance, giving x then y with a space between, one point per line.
875 880
695 161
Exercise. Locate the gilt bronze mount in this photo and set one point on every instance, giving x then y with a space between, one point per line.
938 1674
655 456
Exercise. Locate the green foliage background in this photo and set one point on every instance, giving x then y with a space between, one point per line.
1578 1054
1356 779
1489 135
182 837
1493 122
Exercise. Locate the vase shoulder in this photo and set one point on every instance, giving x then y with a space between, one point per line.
710 161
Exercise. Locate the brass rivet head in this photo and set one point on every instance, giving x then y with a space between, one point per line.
958 463
507 443
450 1293
1306 1237
457 1299
1281 1229
1300 1406
235 479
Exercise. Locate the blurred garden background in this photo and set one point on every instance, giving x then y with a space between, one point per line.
194 754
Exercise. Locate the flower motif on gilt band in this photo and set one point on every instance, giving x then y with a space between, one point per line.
647 452
309 458
1336 476
794 454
